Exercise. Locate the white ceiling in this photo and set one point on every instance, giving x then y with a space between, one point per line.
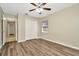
22 8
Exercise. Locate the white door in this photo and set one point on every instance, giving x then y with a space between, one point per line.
30 29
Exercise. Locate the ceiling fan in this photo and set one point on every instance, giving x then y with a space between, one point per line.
39 7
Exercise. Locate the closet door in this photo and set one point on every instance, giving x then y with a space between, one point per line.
31 29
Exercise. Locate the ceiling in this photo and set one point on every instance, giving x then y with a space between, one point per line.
22 8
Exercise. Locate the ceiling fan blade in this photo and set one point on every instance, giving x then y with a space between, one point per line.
43 4
32 9
47 8
33 4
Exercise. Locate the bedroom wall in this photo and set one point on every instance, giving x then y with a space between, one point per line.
63 27
1 17
21 28
4 31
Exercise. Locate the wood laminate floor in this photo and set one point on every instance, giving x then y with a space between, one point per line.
37 47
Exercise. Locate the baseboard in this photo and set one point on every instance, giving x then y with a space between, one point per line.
21 40
62 44
26 39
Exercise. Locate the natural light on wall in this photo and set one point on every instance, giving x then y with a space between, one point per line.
9 19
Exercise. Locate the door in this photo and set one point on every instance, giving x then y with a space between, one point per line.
31 29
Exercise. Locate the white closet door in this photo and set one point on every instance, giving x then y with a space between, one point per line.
31 29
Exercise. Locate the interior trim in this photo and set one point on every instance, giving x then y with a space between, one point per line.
22 40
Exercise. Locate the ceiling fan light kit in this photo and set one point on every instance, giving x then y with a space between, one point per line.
39 10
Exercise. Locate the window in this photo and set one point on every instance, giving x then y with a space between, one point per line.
45 26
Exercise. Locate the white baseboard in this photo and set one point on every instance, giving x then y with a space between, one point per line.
21 40
26 39
62 44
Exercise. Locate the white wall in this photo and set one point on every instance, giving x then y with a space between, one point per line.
63 27
31 28
0 34
1 17
4 31
21 28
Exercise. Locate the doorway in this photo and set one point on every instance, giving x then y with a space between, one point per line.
11 31
9 28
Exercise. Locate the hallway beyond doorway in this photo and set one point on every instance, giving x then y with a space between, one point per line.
11 38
